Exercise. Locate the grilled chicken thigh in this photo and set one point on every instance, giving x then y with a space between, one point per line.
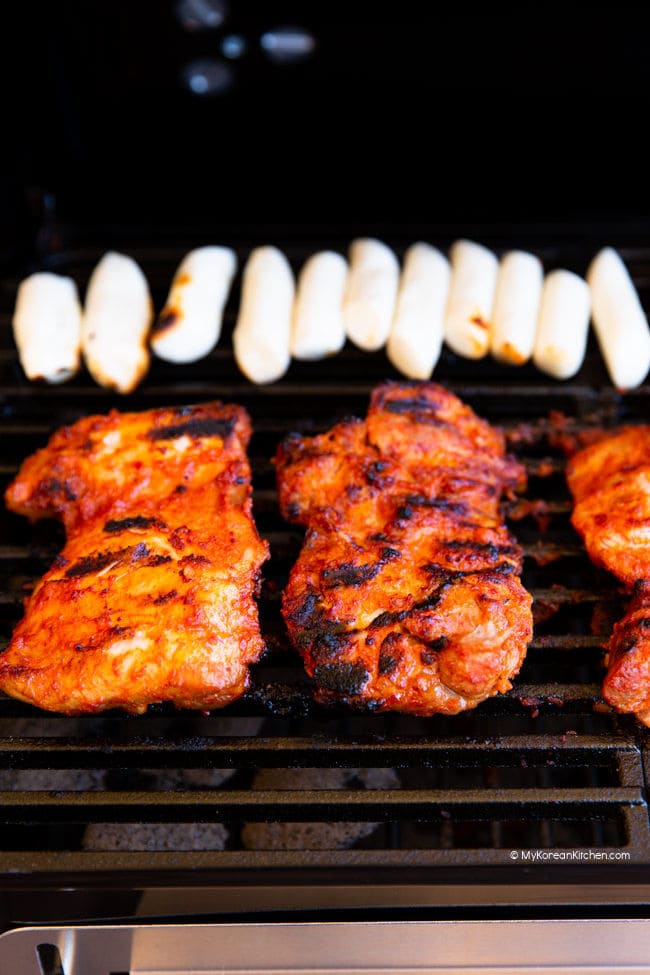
610 483
627 683
406 595
152 597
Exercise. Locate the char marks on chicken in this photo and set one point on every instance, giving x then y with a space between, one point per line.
153 597
406 594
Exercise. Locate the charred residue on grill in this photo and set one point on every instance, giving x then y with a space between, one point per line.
197 427
341 678
115 526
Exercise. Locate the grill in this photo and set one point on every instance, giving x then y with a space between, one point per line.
547 767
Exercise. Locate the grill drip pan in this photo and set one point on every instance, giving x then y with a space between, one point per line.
547 767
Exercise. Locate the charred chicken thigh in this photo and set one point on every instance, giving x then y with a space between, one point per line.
406 595
152 597
610 483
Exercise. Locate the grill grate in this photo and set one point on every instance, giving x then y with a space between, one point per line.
547 766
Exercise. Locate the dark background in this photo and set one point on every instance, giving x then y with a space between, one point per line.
408 116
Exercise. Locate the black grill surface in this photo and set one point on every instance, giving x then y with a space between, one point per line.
546 767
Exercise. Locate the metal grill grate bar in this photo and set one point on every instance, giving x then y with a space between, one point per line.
419 752
322 805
